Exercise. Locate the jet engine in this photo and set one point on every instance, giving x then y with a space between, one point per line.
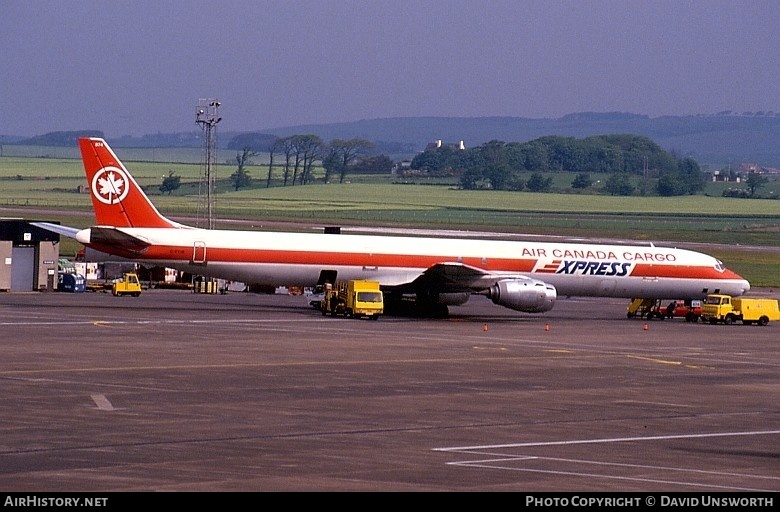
526 295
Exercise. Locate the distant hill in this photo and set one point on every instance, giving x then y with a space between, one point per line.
718 140
713 139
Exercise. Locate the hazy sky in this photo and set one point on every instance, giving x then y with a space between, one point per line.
140 66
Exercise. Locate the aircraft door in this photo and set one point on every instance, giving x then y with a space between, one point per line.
199 253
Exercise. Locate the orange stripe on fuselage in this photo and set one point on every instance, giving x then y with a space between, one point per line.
681 272
525 266
333 258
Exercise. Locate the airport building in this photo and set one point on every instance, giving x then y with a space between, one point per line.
29 256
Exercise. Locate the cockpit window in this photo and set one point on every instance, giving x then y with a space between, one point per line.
719 266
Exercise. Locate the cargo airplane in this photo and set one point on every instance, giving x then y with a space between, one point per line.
523 276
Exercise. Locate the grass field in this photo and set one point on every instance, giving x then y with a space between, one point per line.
738 224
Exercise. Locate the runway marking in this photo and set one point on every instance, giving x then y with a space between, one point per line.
645 402
278 364
231 321
498 349
620 477
102 402
654 360
665 361
501 460
607 440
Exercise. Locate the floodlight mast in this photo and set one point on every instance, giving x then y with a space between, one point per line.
207 116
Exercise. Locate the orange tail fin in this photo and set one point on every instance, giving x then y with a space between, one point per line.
116 197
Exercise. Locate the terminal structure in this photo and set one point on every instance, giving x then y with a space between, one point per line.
29 257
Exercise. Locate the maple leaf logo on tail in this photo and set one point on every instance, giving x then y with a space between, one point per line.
109 185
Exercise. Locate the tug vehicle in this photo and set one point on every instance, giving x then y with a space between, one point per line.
128 285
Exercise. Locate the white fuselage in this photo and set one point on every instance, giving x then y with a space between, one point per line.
273 258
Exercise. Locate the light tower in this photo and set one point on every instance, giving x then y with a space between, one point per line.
207 116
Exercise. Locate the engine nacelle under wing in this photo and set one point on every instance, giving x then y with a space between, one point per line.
526 295
451 299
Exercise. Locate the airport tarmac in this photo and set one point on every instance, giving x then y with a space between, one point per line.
176 391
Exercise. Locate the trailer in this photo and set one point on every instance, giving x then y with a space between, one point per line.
727 309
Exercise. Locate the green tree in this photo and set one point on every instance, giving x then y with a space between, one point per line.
618 184
670 184
342 153
272 149
442 161
287 147
692 175
536 156
380 164
170 183
330 162
538 183
471 178
492 155
309 147
687 179
240 178
754 182
582 181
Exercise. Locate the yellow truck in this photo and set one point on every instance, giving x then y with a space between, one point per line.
354 298
727 309
128 285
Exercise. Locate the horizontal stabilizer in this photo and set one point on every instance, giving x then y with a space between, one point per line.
112 237
57 228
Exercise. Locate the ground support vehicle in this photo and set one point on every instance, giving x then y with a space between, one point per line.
640 307
354 298
690 310
128 285
71 282
727 309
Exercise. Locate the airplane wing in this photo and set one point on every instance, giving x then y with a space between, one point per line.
454 277
452 283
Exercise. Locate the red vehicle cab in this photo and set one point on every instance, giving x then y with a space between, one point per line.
690 310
